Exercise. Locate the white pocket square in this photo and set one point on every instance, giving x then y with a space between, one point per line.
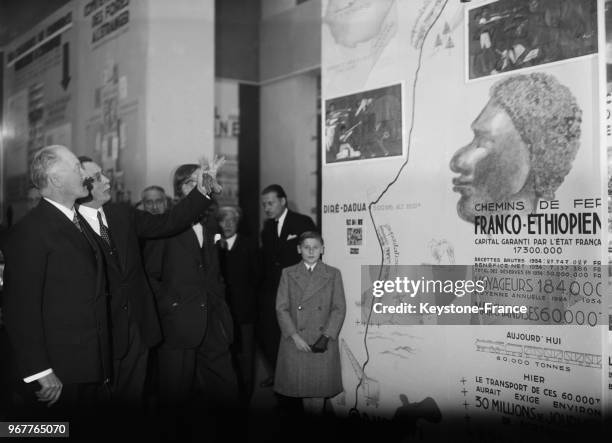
291 237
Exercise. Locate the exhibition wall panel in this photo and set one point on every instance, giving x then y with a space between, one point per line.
468 138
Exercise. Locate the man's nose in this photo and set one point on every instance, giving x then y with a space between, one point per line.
460 163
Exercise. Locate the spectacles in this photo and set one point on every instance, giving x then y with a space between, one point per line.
97 177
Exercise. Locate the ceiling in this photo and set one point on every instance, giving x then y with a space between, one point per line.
17 16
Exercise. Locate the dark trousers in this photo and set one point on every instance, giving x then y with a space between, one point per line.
268 332
204 371
9 376
198 390
80 404
130 372
243 353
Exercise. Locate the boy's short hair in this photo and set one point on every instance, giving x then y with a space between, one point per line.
310 234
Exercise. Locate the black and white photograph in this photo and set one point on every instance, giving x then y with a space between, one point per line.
354 236
365 125
305 221
507 35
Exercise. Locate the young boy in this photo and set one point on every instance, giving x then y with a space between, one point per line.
310 307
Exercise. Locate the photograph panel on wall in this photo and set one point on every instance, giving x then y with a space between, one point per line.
365 125
507 35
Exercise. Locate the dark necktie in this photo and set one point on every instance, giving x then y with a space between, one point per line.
275 237
75 220
223 244
310 270
104 231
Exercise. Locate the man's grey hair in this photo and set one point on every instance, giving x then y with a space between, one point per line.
43 161
152 188
229 211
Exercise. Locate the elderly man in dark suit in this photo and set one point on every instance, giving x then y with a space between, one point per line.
238 256
55 298
279 239
134 322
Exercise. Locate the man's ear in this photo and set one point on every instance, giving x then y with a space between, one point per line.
54 179
299 248
284 201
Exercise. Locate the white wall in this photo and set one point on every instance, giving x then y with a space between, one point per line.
179 86
288 149
290 57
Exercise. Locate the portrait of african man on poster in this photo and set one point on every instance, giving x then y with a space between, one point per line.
512 34
525 141
364 125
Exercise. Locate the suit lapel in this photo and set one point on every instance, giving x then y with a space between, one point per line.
236 244
81 239
286 229
319 278
96 247
189 239
300 274
58 221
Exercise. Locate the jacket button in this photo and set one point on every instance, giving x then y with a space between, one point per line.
300 308
200 266
319 308
320 328
175 304
124 307
107 380
202 305
302 329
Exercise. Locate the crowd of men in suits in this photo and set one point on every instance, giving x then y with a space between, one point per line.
101 298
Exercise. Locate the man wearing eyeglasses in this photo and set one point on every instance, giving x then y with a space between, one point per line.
134 323
154 199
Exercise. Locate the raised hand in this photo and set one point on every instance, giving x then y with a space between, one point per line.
212 170
209 173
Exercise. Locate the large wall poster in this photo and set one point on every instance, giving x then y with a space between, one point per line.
505 172
66 82
109 100
608 21
39 106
